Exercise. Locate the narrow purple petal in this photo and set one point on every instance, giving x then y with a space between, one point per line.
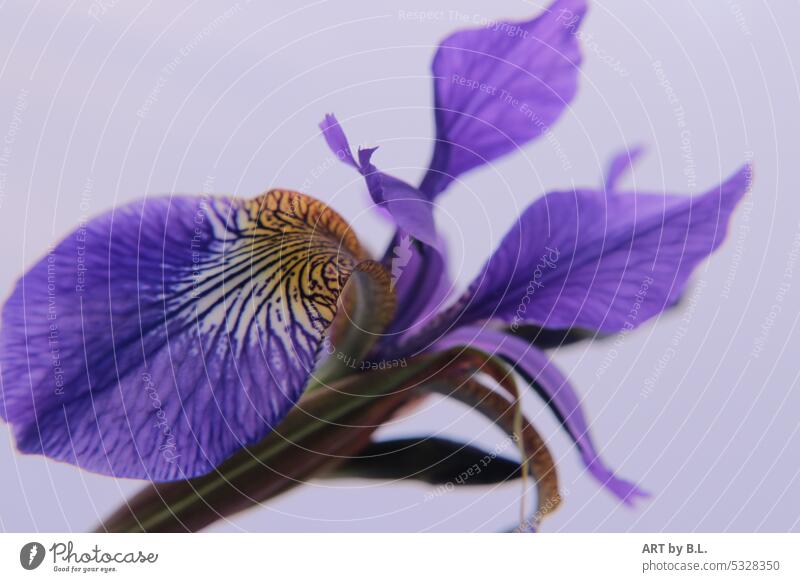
337 140
597 260
163 336
556 391
620 165
498 87
408 207
373 178
420 279
412 212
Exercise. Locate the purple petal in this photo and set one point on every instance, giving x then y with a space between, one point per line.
419 276
498 87
163 336
337 140
411 210
597 260
556 391
620 165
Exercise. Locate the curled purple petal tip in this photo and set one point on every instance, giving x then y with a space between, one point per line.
411 211
620 165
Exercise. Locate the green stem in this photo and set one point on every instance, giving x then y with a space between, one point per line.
244 478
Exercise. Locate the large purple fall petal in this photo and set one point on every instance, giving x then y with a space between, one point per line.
164 335
498 87
412 212
556 391
598 260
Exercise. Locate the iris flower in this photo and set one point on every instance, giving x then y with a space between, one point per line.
225 349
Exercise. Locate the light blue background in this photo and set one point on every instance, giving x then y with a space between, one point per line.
101 121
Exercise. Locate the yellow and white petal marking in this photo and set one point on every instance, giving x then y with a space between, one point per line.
282 261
